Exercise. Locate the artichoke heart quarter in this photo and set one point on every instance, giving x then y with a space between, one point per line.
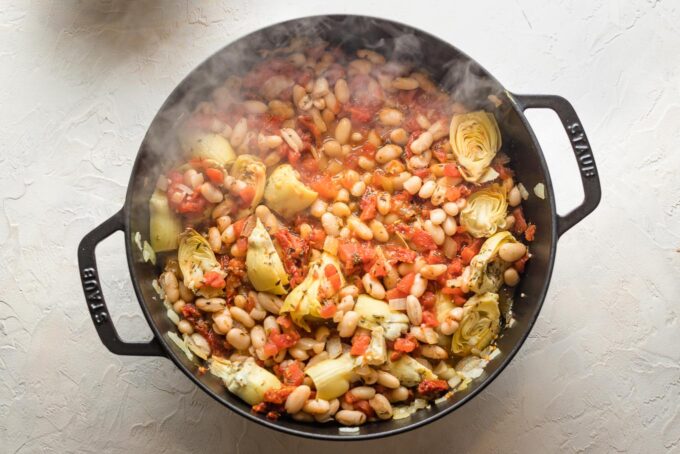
475 139
480 324
212 148
485 211
487 268
265 269
196 258
304 300
286 194
252 171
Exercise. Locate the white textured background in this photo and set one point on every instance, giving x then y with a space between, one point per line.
80 82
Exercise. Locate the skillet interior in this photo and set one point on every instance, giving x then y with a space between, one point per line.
459 74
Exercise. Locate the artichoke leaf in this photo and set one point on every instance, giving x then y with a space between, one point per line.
487 268
196 258
331 377
164 225
409 371
475 139
210 147
485 211
252 171
304 301
265 269
286 194
376 313
376 353
245 379
480 324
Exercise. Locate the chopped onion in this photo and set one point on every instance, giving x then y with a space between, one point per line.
172 315
397 304
350 430
148 253
539 190
158 288
137 238
181 344
523 191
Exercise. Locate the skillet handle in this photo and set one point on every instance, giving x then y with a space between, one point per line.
95 298
582 152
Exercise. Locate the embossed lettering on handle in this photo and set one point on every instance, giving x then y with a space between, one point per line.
586 162
93 295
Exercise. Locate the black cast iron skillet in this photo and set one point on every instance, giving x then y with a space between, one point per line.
459 74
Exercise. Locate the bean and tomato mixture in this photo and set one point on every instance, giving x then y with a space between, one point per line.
339 252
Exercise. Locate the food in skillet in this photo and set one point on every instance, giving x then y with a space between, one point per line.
337 237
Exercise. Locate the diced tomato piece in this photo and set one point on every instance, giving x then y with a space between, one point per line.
328 311
262 407
468 252
395 293
369 206
349 398
427 300
215 175
432 388
395 355
455 268
451 170
429 319
530 232
284 321
404 285
325 186
453 194
317 237
360 344
422 173
278 396
520 223
360 114
422 240
457 295
247 194
270 349
399 254
406 344
214 279
293 374
434 258
364 407
521 263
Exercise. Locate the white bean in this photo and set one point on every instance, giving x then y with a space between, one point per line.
358 189
242 316
433 352
437 216
211 304
359 228
316 406
419 286
362 392
296 400
350 417
332 148
413 184
341 209
342 91
450 226
170 286
405 83
238 339
373 287
390 117
381 406
511 252
451 208
432 272
185 327
211 193
511 277
346 327
380 233
427 189
399 136
257 336
222 321
331 224
343 130
422 143
388 153
414 310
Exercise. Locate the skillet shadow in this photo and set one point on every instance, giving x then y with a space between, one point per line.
113 29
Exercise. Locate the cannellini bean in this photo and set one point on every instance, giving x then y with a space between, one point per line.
334 405
383 203
427 189
448 327
422 143
435 231
269 302
222 223
439 130
358 189
350 417
405 83
426 335
170 286
380 233
381 406
242 316
511 277
414 310
399 136
451 208
366 163
186 294
362 392
296 400
390 117
239 133
318 208
432 272
292 138
413 184
229 236
450 226
332 148
193 179
387 380
214 239
371 56
185 327
510 222
359 228
343 196
419 285
341 209
255 107
398 395
514 197
433 352
211 304
316 406
511 252
257 336
179 305
330 223
222 321
320 87
211 193
270 325
388 153
352 290
346 327
341 90
437 216
334 346
298 353
343 130
238 339
373 286
301 416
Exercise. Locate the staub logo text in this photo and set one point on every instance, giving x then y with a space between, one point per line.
93 294
582 150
